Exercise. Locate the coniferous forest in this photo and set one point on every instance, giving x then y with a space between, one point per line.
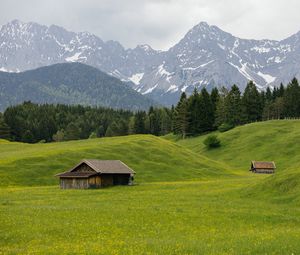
199 113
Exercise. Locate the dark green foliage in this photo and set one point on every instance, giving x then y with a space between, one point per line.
233 107
117 128
212 141
221 112
69 83
59 136
194 107
252 107
4 129
27 137
214 98
32 123
72 132
291 99
206 112
182 117
139 123
225 127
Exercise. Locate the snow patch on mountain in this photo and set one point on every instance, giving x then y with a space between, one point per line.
267 77
74 58
161 71
173 88
136 78
150 89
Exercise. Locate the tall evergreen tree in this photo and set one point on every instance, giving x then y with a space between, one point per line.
251 104
181 118
292 99
214 96
206 114
221 113
4 130
281 90
233 106
194 109
139 122
269 96
72 132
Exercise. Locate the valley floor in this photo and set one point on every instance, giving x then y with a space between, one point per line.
191 217
187 199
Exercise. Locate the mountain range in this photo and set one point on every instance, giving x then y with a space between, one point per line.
69 83
205 57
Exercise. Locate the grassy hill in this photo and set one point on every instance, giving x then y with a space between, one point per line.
153 159
277 141
190 200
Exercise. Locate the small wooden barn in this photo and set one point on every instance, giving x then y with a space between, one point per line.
92 173
263 167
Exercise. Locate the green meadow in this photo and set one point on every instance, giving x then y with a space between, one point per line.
187 199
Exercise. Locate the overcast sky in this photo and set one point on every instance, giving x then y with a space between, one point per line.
160 23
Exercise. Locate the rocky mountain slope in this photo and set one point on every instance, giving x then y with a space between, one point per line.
206 56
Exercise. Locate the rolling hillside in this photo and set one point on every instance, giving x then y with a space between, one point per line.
69 83
269 141
264 141
153 158
188 200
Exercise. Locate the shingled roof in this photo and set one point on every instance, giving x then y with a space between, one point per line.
106 166
76 174
263 165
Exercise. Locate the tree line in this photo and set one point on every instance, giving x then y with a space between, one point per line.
224 109
199 113
34 123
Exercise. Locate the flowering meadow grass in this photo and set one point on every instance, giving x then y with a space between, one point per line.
187 199
198 217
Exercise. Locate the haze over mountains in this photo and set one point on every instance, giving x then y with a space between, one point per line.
206 56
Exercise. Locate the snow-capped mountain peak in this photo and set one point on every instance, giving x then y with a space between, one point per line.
205 57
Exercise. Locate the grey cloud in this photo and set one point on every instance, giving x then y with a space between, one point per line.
160 23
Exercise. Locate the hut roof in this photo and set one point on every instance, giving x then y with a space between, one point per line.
263 165
76 174
100 167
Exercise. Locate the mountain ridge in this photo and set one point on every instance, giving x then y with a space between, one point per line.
206 56
69 83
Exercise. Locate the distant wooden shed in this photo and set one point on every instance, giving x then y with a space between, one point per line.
92 173
263 167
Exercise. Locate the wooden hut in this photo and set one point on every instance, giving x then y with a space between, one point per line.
92 173
262 167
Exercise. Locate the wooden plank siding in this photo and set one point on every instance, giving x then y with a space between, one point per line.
93 174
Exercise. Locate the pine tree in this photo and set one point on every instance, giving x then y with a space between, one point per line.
281 90
251 104
59 136
214 97
72 132
233 106
165 122
4 130
269 96
181 118
221 113
194 109
291 99
139 122
206 113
